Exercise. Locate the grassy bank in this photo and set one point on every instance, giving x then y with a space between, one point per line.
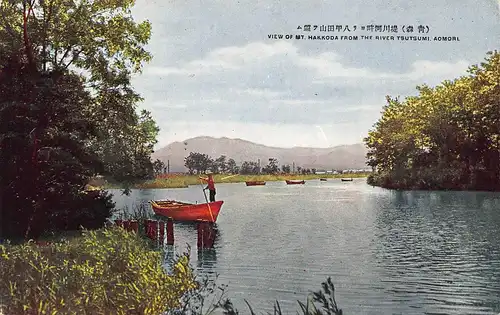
102 272
182 181
111 271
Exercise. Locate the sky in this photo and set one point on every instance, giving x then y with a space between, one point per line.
216 73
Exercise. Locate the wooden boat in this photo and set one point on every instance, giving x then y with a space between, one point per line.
346 179
255 183
322 179
182 211
295 182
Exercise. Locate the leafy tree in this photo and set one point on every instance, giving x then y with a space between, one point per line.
159 167
65 116
220 165
447 137
249 168
43 134
231 166
197 162
236 170
286 169
305 171
272 167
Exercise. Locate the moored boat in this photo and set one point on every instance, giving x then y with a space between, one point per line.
255 183
346 179
182 211
322 179
295 182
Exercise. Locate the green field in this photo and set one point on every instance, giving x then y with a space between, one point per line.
182 181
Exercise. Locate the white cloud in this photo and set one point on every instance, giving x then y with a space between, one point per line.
299 102
227 59
168 105
210 66
423 69
267 93
328 66
325 67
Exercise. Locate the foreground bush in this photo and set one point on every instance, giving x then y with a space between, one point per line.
109 271
321 302
446 138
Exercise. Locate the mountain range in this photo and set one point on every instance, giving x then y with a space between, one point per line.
338 157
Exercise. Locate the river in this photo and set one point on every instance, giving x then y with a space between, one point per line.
387 252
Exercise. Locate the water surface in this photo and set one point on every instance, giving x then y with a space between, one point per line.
387 252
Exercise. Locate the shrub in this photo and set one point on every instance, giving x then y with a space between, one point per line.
194 303
108 271
111 271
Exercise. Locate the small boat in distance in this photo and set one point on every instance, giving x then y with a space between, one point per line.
295 182
182 211
322 179
255 183
346 179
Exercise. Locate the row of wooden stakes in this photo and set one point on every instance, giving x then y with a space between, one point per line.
162 231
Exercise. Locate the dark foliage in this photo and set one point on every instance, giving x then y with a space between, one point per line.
446 138
44 160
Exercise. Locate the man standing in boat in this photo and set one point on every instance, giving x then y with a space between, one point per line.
210 186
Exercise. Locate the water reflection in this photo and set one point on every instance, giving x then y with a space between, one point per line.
206 258
387 252
438 251
208 236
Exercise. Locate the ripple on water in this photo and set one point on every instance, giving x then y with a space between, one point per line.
387 252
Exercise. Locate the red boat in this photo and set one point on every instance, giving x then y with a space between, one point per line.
295 182
182 211
255 183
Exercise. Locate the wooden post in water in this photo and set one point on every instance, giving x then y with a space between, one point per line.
170 232
210 235
161 232
134 226
206 235
149 227
126 225
199 242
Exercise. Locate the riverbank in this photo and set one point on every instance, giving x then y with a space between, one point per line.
183 181
95 272
434 181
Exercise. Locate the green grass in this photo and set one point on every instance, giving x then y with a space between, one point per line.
111 271
186 180
183 181
108 271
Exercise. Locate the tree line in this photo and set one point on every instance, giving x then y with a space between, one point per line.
68 111
447 137
200 163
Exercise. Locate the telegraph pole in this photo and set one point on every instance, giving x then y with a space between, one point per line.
168 166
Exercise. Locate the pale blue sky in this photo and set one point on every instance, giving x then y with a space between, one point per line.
216 73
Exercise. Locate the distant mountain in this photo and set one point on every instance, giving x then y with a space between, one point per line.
338 157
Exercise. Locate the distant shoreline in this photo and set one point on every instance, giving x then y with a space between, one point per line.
183 181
